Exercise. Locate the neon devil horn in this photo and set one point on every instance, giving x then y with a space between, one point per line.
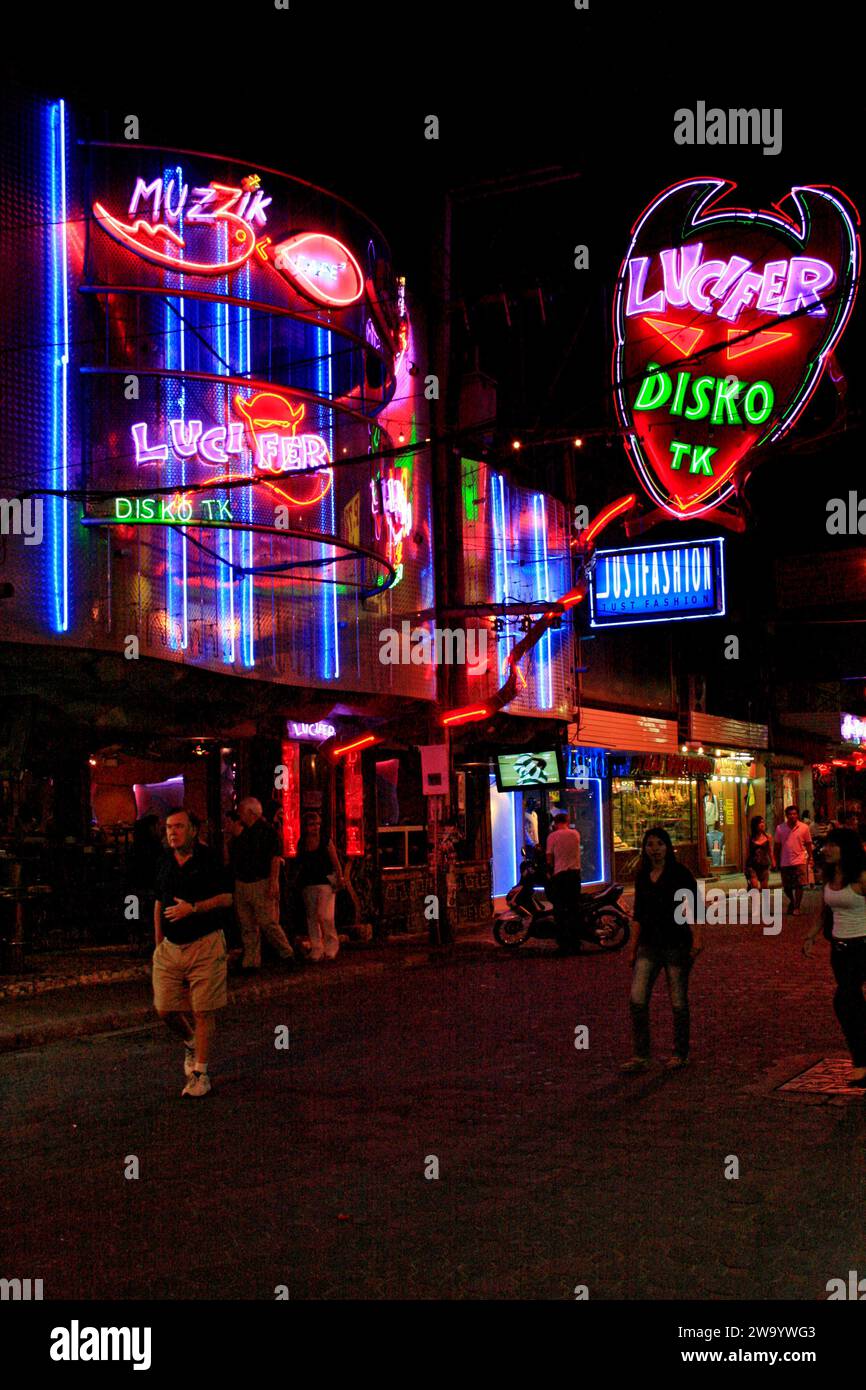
723 321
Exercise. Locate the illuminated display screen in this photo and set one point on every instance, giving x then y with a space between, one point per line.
723 321
517 771
658 583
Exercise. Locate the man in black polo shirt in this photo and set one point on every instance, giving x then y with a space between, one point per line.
189 963
255 862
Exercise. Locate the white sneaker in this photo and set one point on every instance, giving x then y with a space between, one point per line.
198 1084
188 1060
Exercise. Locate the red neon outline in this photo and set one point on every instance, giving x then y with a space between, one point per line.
660 327
366 742
465 713
305 284
126 234
753 344
264 475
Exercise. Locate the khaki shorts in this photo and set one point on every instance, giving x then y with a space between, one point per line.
192 976
794 876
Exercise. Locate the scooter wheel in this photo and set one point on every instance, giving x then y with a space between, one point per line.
611 931
511 931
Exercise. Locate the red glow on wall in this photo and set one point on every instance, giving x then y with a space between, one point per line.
290 798
353 792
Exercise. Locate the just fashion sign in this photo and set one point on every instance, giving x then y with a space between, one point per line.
658 583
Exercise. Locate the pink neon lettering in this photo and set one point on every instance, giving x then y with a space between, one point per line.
209 448
771 290
269 449
635 303
185 437
146 190
235 443
806 278
741 295
736 266
256 210
143 454
701 276
678 265
173 213
202 198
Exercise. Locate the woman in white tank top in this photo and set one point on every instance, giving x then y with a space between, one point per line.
845 899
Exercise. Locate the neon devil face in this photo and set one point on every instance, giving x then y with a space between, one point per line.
723 321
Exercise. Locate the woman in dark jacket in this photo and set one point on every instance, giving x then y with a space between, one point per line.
661 939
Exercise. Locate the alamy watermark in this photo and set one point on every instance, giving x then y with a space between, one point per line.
19 518
738 906
422 646
755 126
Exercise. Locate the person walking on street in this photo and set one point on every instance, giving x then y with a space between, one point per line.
760 858
189 962
795 844
661 939
319 878
845 923
255 861
563 863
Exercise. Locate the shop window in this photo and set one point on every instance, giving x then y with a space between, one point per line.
641 802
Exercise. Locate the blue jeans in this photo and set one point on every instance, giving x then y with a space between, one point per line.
676 962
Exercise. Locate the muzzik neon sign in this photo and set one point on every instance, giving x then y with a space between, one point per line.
723 322
193 230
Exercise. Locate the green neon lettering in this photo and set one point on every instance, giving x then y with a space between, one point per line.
701 388
682 383
147 510
726 395
701 460
655 388
757 417
119 504
678 450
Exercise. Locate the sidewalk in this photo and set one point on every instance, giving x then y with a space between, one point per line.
104 989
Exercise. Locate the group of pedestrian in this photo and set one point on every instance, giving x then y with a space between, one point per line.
190 959
661 940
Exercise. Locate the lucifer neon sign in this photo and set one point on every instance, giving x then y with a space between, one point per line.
775 288
176 217
269 431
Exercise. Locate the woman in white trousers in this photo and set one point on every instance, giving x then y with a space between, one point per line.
320 877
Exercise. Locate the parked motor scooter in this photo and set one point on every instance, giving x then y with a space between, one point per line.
601 922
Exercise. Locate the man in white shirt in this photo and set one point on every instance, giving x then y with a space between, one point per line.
795 843
563 863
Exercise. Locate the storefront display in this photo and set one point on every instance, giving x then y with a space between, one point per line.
642 801
734 794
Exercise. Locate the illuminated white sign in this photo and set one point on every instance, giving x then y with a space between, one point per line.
318 731
853 730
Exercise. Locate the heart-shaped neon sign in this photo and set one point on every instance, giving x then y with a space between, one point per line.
723 321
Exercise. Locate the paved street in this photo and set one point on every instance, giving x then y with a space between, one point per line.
306 1167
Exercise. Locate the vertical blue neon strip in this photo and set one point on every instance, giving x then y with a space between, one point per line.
224 571
59 299
545 665
329 626
248 584
176 545
500 555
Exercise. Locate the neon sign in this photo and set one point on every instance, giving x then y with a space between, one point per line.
391 502
852 729
269 430
171 511
321 267
771 290
271 424
318 731
658 583
182 227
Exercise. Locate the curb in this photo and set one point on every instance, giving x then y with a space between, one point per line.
84 1026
